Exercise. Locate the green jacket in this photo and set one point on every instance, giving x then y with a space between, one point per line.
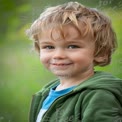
98 99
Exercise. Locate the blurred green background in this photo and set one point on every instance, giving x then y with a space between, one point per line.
21 73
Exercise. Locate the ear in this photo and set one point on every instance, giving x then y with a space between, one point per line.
100 59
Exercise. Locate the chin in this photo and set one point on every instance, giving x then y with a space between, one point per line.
63 75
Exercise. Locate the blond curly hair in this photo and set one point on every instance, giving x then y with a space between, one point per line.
94 21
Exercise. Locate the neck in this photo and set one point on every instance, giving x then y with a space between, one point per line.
66 82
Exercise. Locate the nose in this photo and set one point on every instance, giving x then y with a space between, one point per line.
59 54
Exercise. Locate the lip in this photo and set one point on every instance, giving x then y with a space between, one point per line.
60 65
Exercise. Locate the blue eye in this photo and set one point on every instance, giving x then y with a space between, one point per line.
48 47
73 46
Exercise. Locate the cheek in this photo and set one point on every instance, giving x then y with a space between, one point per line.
82 59
77 57
44 58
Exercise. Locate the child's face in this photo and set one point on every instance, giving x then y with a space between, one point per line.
69 57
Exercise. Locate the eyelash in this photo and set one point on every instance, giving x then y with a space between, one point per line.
69 47
48 47
73 46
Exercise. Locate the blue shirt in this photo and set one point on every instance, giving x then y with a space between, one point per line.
53 95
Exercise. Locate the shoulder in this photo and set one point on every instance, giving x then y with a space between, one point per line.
96 95
102 101
101 105
100 96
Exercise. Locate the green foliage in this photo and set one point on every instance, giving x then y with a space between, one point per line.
21 71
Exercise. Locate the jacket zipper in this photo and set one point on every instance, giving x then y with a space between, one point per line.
55 102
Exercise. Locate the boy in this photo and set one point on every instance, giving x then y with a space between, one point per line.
71 39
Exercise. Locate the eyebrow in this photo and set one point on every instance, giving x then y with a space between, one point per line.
66 42
45 42
75 42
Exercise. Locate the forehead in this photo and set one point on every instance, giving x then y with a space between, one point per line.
67 32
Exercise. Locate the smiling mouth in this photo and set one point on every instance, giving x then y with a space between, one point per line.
61 64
